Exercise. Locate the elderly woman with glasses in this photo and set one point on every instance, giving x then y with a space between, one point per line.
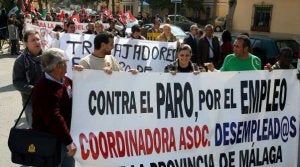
183 62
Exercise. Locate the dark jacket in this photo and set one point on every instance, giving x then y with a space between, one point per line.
52 108
204 47
175 67
26 73
194 45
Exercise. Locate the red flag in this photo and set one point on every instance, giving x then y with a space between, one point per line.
32 8
129 16
75 18
61 15
122 17
108 13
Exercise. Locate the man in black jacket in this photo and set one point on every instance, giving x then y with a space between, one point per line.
209 47
192 41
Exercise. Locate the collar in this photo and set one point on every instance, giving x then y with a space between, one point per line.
49 77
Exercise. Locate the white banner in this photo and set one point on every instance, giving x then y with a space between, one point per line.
211 119
143 55
79 27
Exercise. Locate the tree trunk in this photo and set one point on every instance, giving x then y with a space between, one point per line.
229 18
40 6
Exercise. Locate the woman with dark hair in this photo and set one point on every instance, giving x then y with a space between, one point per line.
226 46
183 62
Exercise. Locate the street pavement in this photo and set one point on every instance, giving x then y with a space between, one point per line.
10 106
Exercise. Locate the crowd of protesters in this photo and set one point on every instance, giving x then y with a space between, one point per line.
200 51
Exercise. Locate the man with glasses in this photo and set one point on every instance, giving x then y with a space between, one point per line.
27 70
191 40
209 47
52 103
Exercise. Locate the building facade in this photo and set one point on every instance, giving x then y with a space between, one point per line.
268 16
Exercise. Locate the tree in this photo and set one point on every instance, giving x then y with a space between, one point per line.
229 19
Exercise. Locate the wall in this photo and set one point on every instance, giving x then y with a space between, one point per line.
284 19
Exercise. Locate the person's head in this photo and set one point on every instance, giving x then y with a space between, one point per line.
135 31
285 57
32 42
167 29
194 29
241 46
209 30
105 41
112 22
99 27
200 33
54 62
156 23
245 33
91 27
10 21
184 54
57 28
226 36
167 20
35 21
49 17
71 27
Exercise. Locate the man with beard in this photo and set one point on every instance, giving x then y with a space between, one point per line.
101 58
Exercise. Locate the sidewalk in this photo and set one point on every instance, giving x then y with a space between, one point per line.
10 106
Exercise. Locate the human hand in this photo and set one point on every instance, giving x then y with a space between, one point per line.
210 66
71 149
107 70
173 72
77 67
268 67
133 71
196 72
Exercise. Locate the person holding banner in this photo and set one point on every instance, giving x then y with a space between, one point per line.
52 103
101 58
241 59
27 69
70 27
183 62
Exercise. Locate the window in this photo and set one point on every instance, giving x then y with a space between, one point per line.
261 19
127 7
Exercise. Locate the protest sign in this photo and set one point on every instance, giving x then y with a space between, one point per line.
211 119
143 55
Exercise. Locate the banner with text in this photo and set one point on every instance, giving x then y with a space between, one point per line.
211 119
131 53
